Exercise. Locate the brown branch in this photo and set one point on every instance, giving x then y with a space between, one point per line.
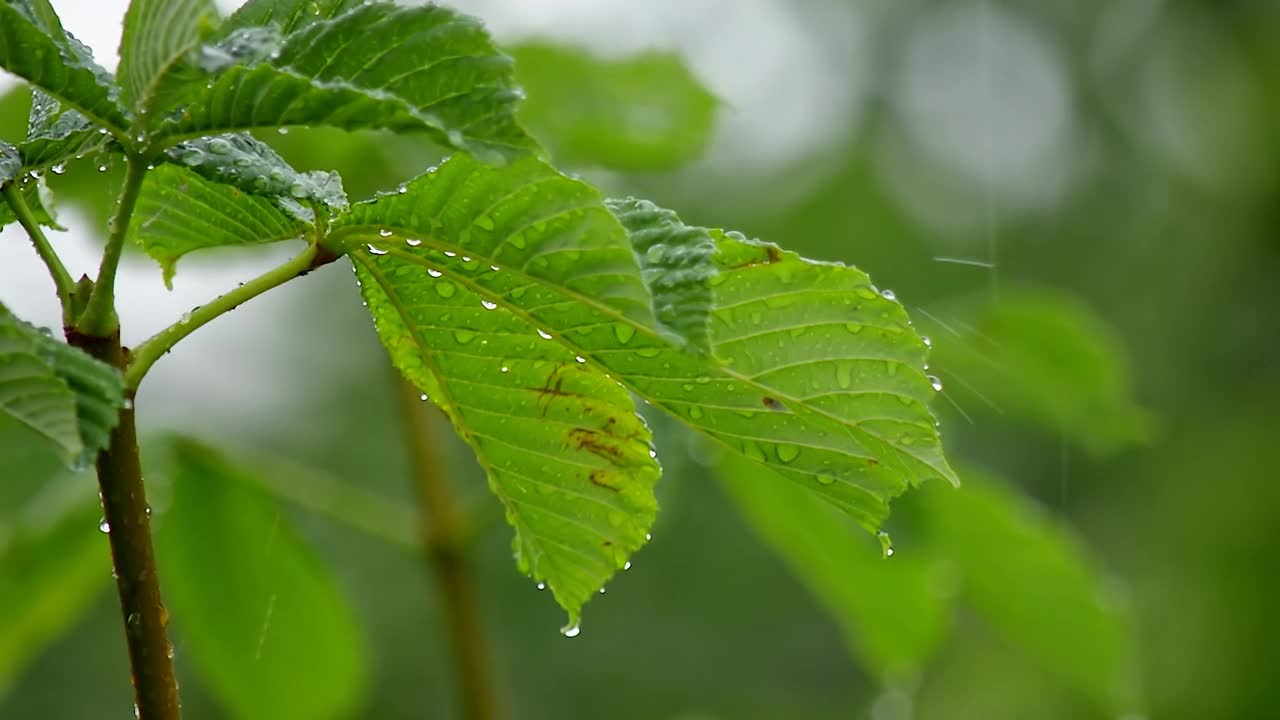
125 510
443 541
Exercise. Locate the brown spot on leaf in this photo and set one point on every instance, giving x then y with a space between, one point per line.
602 478
597 443
774 404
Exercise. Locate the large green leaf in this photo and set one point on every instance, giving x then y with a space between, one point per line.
287 15
68 397
31 48
1032 580
810 370
560 440
228 190
1043 357
255 609
645 112
891 611
34 192
157 48
378 65
53 564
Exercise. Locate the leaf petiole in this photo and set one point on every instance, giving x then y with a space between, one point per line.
146 354
61 278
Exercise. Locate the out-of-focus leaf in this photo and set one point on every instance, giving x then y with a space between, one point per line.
1043 357
57 63
180 212
1031 580
811 371
288 15
255 609
890 608
378 65
157 48
641 113
53 562
68 397
34 192
56 134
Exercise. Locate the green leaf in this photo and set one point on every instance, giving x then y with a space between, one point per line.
156 50
288 15
53 564
256 611
376 66
180 212
811 371
1046 358
1031 580
250 165
646 112
58 64
890 609
56 134
561 442
10 162
60 392
31 391
38 199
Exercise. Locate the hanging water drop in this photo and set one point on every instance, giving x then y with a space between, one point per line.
571 631
936 383
601 591
927 342
888 294
886 545
423 397
542 586
626 565
104 526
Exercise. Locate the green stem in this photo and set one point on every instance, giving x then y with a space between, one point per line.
61 278
443 540
146 354
127 519
99 317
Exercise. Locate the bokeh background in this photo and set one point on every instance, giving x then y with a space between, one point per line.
1078 201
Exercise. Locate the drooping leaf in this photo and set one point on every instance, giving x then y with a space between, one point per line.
889 608
180 212
255 610
58 64
161 39
561 442
810 372
1046 358
31 391
97 390
1031 580
645 112
53 564
374 66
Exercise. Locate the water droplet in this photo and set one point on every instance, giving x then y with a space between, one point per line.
59 169
886 545
653 453
413 242
463 336
102 131
626 565
624 333
494 268
434 273
601 591
936 383
384 233
104 526
487 305
185 318
542 586
648 536
402 189
283 131
445 289
423 397
787 452
504 369
485 222
927 342
376 250
102 168
571 631
702 379
466 259
543 334
450 253
579 358
888 294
